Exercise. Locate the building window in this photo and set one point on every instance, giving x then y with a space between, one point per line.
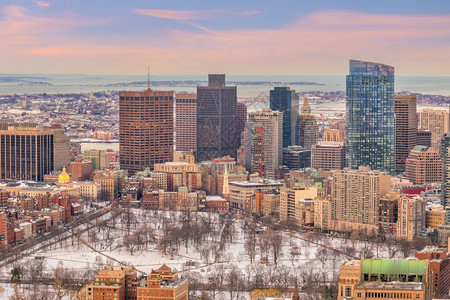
348 291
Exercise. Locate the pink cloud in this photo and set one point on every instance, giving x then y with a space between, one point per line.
320 43
185 15
42 3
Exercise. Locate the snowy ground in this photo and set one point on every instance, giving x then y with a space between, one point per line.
315 258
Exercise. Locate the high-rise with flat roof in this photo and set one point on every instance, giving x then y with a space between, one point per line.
436 121
216 119
28 153
405 128
327 156
370 130
285 100
271 123
356 195
186 121
145 128
423 165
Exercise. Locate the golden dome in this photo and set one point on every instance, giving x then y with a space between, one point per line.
63 177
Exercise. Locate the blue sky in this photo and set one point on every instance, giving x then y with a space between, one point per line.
238 37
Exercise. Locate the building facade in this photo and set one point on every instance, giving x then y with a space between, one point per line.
370 127
216 119
285 100
271 123
241 120
356 195
146 132
327 156
307 131
423 165
186 121
411 217
26 153
436 121
405 128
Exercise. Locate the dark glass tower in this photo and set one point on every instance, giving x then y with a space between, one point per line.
445 186
286 101
370 130
216 119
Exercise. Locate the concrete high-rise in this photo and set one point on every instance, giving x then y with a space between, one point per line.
28 153
307 130
285 100
437 121
186 121
405 128
370 130
423 165
216 119
356 195
272 128
327 156
333 135
145 128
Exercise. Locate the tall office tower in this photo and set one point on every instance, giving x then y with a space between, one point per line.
445 171
356 194
272 134
327 156
241 120
61 156
216 119
436 121
333 135
26 153
308 130
285 100
405 128
423 165
185 121
424 137
256 163
370 130
145 129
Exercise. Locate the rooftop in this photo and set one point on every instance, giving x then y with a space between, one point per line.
393 285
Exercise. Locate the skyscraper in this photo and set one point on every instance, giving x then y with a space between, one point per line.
216 119
437 121
145 128
272 126
308 130
423 165
405 128
186 121
370 131
29 153
286 101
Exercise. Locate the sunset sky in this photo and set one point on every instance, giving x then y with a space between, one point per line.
290 37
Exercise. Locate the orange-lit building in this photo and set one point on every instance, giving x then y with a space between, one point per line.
163 284
440 267
118 283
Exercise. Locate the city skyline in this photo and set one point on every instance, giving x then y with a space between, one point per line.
198 37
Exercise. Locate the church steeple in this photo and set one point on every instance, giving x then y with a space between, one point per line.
306 109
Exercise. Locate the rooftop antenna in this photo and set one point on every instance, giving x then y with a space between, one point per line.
148 78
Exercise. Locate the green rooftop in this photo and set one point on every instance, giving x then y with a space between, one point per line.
394 270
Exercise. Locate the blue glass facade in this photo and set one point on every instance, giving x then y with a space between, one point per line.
370 130
286 101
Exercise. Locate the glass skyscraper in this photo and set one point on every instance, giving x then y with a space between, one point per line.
286 101
370 129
